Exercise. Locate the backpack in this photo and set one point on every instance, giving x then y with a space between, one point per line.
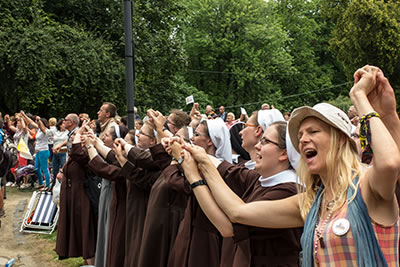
10 148
8 155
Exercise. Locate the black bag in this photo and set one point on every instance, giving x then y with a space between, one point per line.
92 185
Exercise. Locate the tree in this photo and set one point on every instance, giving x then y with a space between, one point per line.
236 50
315 67
52 69
367 32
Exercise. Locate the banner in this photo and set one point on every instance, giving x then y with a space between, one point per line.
23 149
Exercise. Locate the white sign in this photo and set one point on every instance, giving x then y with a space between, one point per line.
243 111
189 100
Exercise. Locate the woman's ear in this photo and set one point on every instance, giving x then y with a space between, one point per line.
259 131
284 155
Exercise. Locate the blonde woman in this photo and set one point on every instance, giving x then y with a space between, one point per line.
350 214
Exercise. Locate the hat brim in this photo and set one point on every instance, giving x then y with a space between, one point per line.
300 114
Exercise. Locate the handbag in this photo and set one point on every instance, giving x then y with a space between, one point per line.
92 185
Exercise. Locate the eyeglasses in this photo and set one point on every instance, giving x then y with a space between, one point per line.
67 119
141 132
249 125
196 134
265 141
168 121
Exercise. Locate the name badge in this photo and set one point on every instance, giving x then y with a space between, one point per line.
341 227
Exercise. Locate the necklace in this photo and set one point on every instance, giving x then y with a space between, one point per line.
320 227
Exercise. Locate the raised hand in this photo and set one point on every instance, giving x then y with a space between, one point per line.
157 118
190 167
365 79
119 153
197 152
91 139
382 98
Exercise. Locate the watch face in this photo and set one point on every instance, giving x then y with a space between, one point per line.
180 160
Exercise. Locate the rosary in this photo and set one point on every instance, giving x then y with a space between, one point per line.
319 229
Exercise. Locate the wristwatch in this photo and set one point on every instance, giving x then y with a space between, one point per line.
89 147
179 160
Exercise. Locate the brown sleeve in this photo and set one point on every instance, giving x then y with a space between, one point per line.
141 158
104 169
112 159
142 178
160 156
79 154
176 180
238 178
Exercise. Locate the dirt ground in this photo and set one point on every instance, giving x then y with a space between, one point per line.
28 249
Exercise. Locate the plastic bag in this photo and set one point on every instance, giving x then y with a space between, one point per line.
56 192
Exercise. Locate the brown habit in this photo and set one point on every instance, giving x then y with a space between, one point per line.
254 246
116 233
165 211
76 235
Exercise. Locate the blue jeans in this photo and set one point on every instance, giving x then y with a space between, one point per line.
42 166
58 162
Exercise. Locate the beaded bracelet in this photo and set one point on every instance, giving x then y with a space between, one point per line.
365 136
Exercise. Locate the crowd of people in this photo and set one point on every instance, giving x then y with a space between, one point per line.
314 187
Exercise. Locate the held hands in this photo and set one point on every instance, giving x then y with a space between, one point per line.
365 80
190 168
382 98
197 152
90 139
157 119
121 143
173 146
119 150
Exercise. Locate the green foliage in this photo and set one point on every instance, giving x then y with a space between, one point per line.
236 50
342 102
368 32
68 56
54 69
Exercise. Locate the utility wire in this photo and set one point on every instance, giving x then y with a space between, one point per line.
289 96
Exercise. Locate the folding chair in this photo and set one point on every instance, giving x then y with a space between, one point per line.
42 214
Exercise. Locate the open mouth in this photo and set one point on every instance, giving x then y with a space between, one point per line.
310 153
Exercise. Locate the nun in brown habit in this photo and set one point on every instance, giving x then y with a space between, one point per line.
76 235
165 210
196 233
110 169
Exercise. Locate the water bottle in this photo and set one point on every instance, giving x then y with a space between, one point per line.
10 262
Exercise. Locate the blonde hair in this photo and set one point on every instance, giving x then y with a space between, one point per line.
233 115
343 166
52 121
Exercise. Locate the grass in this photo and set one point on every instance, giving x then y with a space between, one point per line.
71 262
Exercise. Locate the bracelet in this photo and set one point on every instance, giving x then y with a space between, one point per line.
199 182
365 132
89 147
365 137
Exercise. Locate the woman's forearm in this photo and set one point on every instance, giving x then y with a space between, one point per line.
226 199
213 212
